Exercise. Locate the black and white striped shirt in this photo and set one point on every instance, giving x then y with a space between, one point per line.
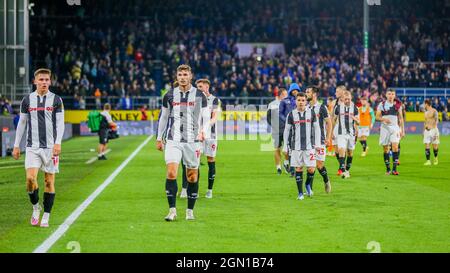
43 116
213 105
321 112
304 129
345 123
183 113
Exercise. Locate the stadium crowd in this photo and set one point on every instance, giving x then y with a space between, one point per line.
113 51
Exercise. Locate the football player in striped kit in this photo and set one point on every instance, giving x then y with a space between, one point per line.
185 112
346 119
326 125
42 115
305 138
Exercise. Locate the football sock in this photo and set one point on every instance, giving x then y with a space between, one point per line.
171 192
309 179
387 161
364 144
435 152
299 180
395 158
49 198
324 174
34 196
349 162
192 194
427 153
342 163
211 174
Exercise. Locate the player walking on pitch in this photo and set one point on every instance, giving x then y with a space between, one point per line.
392 129
338 101
42 113
431 133
187 109
304 140
326 127
210 145
345 122
273 120
367 118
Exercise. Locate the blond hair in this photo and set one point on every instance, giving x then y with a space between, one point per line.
205 81
43 71
184 67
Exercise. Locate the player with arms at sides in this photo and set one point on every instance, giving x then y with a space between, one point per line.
330 106
399 103
392 129
274 121
305 139
187 109
431 133
339 100
42 114
286 106
105 126
210 145
346 119
367 118
326 127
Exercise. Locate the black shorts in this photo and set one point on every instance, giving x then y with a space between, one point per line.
103 136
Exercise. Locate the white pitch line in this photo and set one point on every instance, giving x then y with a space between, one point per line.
52 239
96 157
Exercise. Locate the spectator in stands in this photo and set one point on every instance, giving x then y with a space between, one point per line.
126 103
445 115
122 56
410 107
5 107
98 101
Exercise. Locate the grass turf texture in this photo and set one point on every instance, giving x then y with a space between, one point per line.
253 209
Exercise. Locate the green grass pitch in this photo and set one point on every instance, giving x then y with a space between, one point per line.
253 209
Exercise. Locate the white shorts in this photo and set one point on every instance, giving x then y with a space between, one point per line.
389 135
346 142
363 131
320 153
42 159
210 147
303 158
176 151
431 136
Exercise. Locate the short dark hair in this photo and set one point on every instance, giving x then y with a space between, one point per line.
390 90
314 88
427 102
301 94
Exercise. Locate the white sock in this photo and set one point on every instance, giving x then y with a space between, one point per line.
278 166
286 162
36 206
